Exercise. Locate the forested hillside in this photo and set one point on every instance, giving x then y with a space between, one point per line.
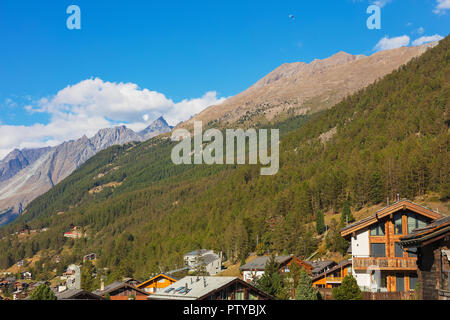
390 138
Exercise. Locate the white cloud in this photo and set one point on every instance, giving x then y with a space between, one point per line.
420 30
391 43
380 3
426 39
441 6
92 104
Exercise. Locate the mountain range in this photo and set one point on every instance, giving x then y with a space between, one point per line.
28 173
140 212
303 88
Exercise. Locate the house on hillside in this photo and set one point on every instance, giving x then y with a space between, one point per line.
320 266
121 291
77 294
210 288
379 263
26 275
207 259
255 268
74 233
157 283
432 244
90 257
332 277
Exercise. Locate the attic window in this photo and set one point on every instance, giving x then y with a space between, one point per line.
377 229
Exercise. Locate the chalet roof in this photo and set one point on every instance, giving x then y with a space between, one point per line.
259 263
143 284
76 293
197 252
342 264
198 288
116 286
397 206
422 236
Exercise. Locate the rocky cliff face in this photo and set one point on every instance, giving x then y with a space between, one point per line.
26 174
301 88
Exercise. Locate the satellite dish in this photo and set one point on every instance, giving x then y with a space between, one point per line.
74 281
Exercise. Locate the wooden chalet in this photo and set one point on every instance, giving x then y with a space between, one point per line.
379 263
333 277
157 283
255 268
122 291
211 288
77 294
432 243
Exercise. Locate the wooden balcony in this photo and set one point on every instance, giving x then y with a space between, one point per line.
385 263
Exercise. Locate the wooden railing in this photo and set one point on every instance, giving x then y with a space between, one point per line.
385 263
407 295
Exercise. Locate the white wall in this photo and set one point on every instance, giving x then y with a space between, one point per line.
360 245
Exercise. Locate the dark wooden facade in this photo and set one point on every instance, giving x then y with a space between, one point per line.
433 248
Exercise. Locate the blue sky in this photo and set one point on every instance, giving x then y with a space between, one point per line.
175 56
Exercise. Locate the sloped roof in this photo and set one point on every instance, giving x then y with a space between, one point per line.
259 263
115 286
342 264
320 265
76 293
145 283
198 287
421 236
397 206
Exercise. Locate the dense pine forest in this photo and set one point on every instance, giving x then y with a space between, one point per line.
390 138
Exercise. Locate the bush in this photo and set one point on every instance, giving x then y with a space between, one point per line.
349 290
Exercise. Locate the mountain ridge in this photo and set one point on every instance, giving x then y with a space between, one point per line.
27 173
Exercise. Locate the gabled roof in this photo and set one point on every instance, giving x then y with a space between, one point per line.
161 275
259 263
199 288
77 294
116 286
386 211
422 236
342 264
318 266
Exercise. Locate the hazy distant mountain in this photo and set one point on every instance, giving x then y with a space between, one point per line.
300 88
26 174
156 128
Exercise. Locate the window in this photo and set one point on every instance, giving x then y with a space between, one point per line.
415 221
398 223
412 281
400 282
412 252
377 250
377 230
239 295
398 250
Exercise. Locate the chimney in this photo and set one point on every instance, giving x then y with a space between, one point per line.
102 285
387 200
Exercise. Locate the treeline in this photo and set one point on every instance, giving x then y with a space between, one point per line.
390 138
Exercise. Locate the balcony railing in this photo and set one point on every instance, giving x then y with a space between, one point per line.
385 263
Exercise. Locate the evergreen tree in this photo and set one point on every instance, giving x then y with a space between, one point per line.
333 240
320 222
305 290
271 281
43 292
346 216
376 194
349 290
87 276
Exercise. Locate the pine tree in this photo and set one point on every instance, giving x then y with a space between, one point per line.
271 281
349 290
346 216
305 290
87 278
320 222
